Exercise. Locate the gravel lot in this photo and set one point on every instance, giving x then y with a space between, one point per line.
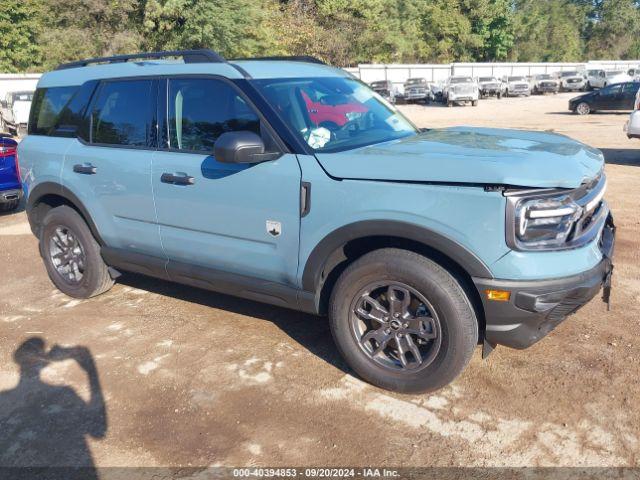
192 378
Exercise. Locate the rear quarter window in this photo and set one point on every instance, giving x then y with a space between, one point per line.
46 107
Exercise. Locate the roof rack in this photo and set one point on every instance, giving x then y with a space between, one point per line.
189 56
294 58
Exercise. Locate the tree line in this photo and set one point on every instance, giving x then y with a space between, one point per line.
36 35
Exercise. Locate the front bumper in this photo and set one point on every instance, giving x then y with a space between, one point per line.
547 88
573 86
537 307
10 195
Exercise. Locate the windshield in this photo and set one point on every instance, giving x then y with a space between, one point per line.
415 81
461 80
333 114
487 79
613 74
543 76
515 79
569 74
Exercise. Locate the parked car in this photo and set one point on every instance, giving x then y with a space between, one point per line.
14 112
490 87
417 244
620 96
572 81
543 83
385 89
460 89
435 89
632 126
516 85
331 110
610 77
10 184
416 90
593 77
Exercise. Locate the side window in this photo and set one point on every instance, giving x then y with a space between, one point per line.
611 90
631 88
200 110
46 107
122 113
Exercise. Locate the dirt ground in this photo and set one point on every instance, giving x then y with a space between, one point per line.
193 378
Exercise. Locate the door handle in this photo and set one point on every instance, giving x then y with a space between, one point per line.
85 169
177 179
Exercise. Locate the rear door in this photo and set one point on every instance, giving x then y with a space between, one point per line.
628 95
242 219
109 166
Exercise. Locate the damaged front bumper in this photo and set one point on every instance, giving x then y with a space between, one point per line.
536 307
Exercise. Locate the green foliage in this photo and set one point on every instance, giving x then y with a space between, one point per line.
549 31
19 49
235 28
38 34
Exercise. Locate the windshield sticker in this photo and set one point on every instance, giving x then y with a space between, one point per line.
318 137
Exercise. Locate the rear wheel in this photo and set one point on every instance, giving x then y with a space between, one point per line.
72 256
402 322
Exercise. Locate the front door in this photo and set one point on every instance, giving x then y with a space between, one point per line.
609 98
242 219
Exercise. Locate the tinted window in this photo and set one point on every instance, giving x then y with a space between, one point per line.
121 114
631 88
72 119
200 110
611 90
46 107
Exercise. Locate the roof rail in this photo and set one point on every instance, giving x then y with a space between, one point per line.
189 56
294 58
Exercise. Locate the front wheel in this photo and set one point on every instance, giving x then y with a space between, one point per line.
402 322
474 103
583 108
71 254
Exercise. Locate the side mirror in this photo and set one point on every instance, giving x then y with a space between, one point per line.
241 147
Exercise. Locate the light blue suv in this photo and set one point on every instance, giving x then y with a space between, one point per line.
289 182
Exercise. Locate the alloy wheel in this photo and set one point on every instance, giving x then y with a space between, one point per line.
396 326
67 255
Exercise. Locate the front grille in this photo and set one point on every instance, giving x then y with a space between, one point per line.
520 86
547 84
574 80
463 89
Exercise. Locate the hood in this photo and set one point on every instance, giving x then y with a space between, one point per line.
21 111
472 155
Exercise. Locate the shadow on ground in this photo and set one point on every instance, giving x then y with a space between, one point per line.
310 331
44 425
622 156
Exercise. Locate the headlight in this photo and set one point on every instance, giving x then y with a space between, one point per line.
351 116
541 222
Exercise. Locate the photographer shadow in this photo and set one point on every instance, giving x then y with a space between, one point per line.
43 425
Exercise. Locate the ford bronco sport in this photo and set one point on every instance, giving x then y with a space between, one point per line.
418 244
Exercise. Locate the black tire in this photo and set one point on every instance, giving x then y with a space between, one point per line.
454 320
9 206
95 278
474 103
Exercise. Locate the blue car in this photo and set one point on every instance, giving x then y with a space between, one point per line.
227 175
10 184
